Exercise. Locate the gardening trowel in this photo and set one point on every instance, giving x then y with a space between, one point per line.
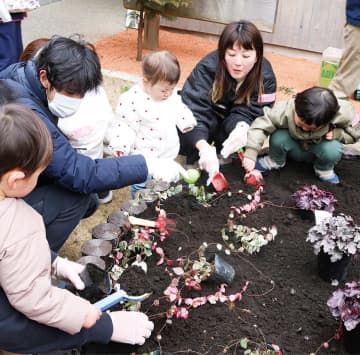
162 223
219 182
253 177
117 297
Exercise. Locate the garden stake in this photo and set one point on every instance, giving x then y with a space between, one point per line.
253 177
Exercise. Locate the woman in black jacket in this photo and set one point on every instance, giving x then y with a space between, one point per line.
226 91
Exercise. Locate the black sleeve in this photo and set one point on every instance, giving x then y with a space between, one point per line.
196 94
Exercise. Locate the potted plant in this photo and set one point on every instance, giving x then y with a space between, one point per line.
334 240
344 304
309 198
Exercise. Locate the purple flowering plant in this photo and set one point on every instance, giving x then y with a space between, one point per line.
310 197
344 304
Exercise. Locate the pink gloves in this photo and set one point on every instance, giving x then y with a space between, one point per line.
130 327
69 270
236 140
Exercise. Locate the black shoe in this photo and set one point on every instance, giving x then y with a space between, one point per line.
105 197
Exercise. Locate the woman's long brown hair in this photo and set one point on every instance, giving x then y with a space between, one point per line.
246 35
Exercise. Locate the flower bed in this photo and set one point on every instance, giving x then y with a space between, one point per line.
283 300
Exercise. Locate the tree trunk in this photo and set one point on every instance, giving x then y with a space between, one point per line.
139 38
151 30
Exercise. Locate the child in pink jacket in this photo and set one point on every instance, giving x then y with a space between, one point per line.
34 315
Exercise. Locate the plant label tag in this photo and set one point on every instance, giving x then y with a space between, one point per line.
320 215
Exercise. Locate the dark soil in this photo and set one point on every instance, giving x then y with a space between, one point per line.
285 302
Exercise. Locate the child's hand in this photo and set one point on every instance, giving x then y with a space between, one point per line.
248 164
93 315
118 153
329 135
69 270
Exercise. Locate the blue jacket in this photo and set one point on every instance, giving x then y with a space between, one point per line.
353 12
69 168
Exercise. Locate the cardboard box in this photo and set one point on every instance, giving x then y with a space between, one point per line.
329 64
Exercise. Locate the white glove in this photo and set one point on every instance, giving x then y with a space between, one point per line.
66 269
165 169
236 140
208 160
4 13
130 327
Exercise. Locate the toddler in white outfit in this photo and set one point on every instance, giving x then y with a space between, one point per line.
150 113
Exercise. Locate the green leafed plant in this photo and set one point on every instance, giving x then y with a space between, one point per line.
200 193
241 238
253 348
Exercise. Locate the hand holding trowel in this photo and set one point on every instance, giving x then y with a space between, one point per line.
117 297
209 162
252 176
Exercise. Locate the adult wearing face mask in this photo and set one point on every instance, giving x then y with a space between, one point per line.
53 85
226 91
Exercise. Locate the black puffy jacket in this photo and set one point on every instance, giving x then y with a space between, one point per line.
196 94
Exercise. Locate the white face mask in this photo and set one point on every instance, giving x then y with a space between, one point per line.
63 106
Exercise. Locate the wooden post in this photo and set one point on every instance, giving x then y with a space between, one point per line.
139 37
151 30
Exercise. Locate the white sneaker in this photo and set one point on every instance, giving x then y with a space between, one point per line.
105 197
327 176
265 163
